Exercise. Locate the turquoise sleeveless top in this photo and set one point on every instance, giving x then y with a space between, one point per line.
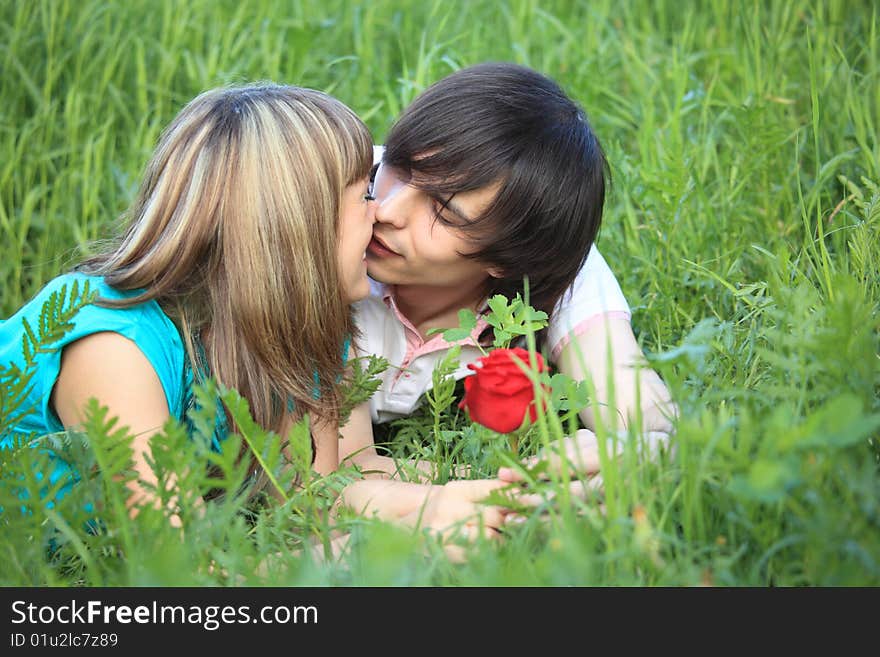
144 324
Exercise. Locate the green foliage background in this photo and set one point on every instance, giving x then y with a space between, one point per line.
743 225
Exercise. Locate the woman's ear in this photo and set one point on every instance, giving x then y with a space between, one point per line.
495 272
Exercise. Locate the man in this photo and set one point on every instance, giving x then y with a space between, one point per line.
491 174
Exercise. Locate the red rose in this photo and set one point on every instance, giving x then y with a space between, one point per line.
499 394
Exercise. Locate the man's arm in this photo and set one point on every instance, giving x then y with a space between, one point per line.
609 346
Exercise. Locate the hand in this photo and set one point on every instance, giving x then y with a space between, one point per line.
455 510
580 459
430 470
580 455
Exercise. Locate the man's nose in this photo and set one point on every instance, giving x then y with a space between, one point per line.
396 203
371 211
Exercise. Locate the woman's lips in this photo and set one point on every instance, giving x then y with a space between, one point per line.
378 248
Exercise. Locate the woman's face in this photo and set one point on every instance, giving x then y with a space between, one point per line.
356 218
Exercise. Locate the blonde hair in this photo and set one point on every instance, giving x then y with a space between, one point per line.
234 233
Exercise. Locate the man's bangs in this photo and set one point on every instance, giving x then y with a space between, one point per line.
449 170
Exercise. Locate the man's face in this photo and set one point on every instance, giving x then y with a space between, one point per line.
416 241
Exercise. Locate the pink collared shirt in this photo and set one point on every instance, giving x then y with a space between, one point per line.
386 332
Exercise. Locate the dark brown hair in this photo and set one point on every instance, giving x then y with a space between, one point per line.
507 124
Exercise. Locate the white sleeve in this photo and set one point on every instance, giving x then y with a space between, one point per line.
594 294
378 149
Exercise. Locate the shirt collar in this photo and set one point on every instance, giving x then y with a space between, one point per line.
387 292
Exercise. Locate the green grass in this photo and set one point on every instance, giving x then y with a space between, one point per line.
743 225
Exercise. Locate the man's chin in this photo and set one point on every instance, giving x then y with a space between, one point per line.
378 275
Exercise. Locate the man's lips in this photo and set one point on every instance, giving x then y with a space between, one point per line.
379 248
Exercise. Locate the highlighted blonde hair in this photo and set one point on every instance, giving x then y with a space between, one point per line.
234 233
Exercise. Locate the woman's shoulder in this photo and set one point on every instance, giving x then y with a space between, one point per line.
50 312
61 314
66 289
53 307
60 296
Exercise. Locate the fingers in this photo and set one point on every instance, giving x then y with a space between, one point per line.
457 540
512 476
485 523
493 517
461 503
579 455
461 526
518 519
455 553
581 489
472 532
474 490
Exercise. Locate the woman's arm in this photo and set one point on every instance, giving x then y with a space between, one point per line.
326 438
454 506
112 369
357 448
